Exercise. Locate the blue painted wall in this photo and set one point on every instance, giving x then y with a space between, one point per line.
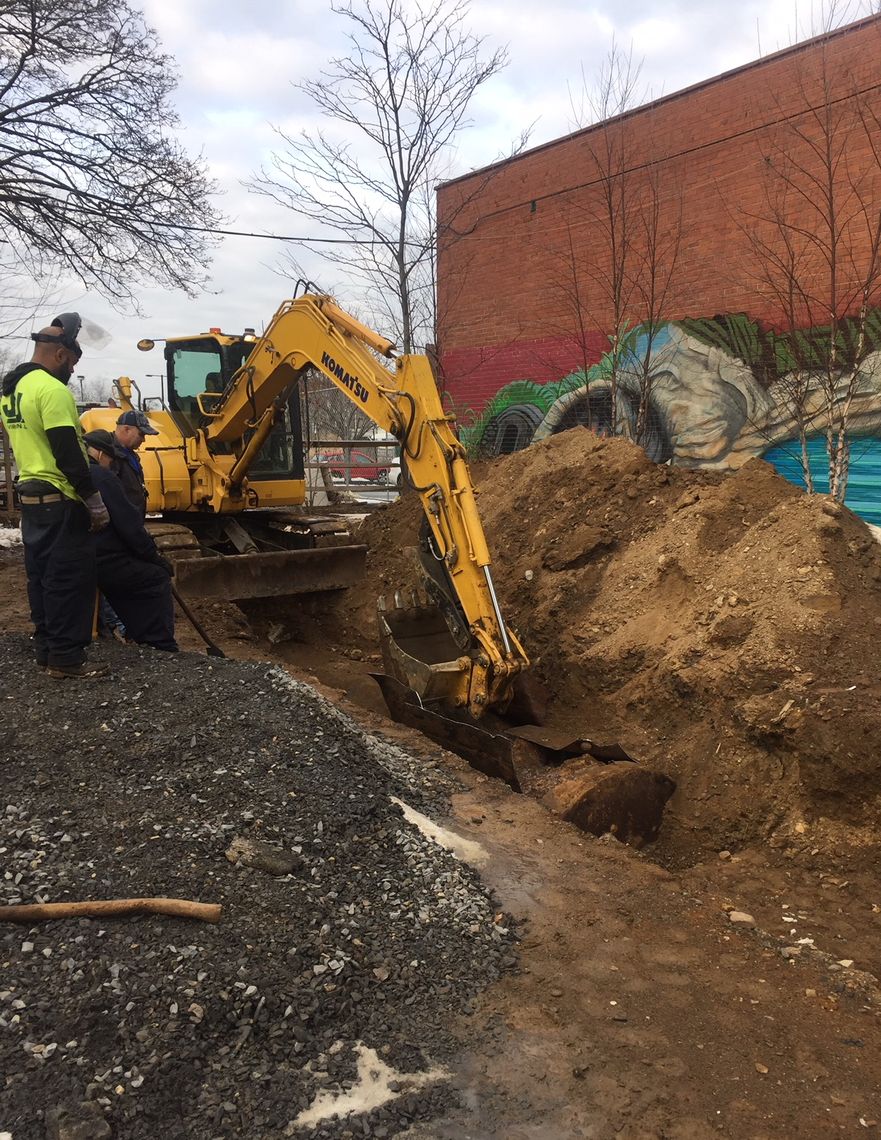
863 485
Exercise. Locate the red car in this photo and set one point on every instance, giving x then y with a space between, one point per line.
363 466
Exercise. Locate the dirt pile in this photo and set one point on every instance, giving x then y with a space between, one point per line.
725 628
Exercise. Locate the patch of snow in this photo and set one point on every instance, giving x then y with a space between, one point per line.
371 1090
464 849
10 536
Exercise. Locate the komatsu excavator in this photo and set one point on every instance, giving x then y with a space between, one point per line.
228 455
226 473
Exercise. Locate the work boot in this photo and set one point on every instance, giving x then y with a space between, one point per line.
84 672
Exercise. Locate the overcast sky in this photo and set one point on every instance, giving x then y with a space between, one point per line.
238 64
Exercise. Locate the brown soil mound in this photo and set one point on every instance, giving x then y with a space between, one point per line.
724 628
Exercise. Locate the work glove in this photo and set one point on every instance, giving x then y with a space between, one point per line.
167 566
98 515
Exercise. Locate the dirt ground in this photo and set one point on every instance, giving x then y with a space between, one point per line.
725 631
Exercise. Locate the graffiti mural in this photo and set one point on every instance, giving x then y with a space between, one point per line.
719 392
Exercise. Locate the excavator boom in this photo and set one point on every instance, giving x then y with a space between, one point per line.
450 648
461 654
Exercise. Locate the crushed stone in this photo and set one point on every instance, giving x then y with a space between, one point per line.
134 785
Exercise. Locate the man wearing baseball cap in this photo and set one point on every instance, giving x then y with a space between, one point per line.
132 575
132 428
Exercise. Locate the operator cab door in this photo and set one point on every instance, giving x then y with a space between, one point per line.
194 367
205 365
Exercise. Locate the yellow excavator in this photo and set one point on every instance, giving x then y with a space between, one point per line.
226 473
227 466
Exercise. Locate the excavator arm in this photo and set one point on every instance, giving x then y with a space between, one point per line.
460 653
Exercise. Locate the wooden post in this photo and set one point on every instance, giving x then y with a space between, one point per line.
9 511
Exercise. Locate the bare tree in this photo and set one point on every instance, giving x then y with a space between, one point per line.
657 240
332 415
615 91
632 216
91 389
92 181
23 295
570 285
7 359
395 102
816 252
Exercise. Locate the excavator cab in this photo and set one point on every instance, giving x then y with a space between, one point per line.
198 368
198 372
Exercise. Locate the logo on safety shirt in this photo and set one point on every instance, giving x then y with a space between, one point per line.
11 409
351 382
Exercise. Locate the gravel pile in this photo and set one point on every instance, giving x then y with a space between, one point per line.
149 1026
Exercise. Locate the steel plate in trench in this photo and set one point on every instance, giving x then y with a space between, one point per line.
488 752
237 577
560 746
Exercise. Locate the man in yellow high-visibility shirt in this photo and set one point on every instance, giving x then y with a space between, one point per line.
59 504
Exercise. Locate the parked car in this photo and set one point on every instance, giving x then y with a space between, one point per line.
363 466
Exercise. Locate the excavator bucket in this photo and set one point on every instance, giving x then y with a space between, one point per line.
420 652
426 686
489 752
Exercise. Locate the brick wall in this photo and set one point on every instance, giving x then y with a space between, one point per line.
533 226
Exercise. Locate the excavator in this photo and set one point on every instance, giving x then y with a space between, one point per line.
226 473
228 459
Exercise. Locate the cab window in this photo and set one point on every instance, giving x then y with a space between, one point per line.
196 371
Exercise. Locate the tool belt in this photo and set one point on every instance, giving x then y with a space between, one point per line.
35 491
32 500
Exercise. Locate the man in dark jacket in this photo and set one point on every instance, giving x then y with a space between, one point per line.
132 574
132 427
59 504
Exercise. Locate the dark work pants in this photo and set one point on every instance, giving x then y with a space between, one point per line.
140 593
59 558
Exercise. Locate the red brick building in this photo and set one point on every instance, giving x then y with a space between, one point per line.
514 234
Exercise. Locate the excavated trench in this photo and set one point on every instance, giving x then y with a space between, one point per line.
722 629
